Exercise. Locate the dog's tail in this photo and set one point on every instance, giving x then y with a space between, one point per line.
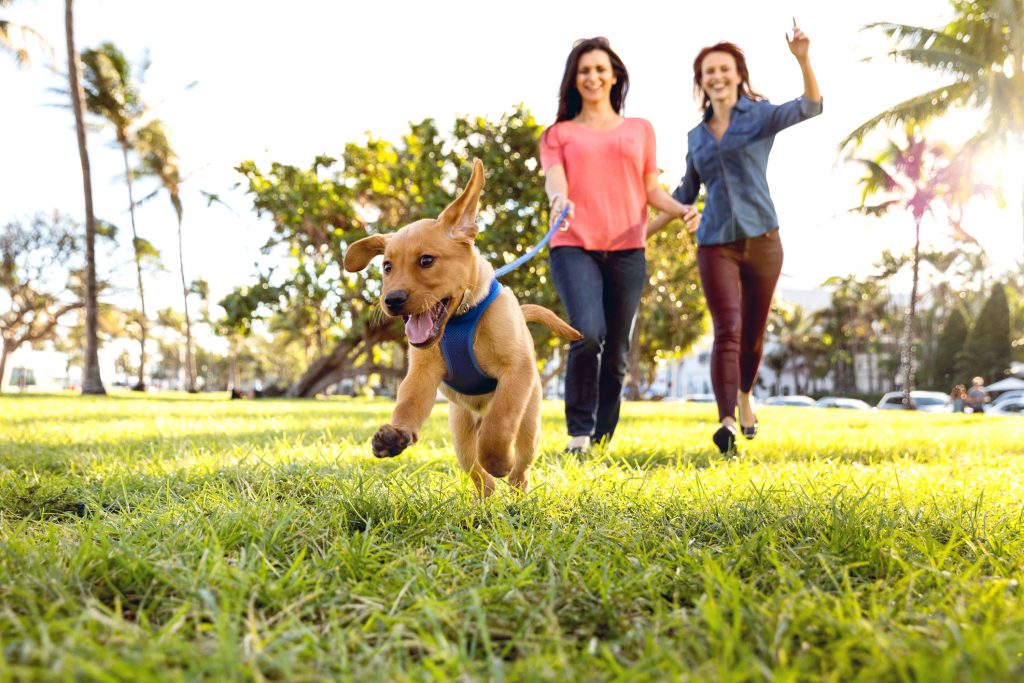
538 314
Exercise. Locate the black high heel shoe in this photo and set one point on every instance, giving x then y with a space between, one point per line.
725 439
751 431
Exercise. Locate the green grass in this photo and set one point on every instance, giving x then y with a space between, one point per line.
183 538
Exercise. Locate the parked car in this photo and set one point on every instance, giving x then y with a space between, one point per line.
1006 396
1012 406
795 401
925 401
701 398
842 402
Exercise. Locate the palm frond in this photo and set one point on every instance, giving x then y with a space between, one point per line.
877 179
957 63
875 210
917 109
21 41
214 198
908 36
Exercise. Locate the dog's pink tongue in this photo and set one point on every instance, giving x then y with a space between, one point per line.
418 327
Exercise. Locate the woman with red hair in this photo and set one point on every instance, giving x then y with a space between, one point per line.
739 255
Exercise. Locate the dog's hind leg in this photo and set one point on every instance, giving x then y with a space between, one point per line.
526 443
465 427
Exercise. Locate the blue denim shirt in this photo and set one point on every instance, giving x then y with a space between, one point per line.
733 170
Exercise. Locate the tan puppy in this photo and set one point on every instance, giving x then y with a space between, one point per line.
432 271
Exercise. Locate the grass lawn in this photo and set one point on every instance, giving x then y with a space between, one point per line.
179 538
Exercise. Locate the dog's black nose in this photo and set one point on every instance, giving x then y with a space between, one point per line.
395 301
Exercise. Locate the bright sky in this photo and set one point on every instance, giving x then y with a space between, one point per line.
286 82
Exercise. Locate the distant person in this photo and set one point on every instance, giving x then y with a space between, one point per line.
976 396
958 396
739 253
601 166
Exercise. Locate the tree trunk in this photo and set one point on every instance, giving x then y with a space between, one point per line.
795 368
4 352
92 383
233 361
907 357
144 321
324 371
190 361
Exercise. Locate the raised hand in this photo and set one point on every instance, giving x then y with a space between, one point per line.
799 44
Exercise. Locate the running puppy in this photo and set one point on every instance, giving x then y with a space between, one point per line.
467 335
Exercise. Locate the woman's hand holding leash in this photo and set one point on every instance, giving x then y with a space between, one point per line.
560 203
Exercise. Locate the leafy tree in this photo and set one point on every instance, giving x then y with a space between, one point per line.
849 325
382 186
987 351
981 52
242 308
160 161
671 315
20 40
314 220
1015 298
36 263
794 332
951 343
92 383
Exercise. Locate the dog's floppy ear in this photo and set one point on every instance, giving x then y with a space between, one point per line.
459 218
361 252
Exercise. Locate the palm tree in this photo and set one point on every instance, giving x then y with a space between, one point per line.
914 178
982 53
92 383
161 162
20 40
112 93
793 330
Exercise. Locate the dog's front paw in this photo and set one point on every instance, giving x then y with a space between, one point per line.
389 441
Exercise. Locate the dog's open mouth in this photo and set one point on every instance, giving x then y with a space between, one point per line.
424 328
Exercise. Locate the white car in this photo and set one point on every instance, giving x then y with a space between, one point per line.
925 401
1006 396
1012 406
842 402
794 401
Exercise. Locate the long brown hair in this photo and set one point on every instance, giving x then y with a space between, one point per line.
744 88
570 102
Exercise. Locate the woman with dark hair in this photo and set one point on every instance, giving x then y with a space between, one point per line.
739 255
601 167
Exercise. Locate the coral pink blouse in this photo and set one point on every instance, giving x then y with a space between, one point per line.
605 170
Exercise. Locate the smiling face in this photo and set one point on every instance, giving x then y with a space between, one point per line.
595 77
425 275
719 78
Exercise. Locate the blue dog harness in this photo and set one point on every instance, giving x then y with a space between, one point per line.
463 374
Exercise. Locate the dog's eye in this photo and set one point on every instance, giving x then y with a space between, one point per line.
386 267
427 260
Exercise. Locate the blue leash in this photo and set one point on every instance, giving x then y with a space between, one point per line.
509 267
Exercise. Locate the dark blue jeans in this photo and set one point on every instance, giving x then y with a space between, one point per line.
601 292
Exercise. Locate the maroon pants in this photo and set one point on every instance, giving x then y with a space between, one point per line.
739 279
